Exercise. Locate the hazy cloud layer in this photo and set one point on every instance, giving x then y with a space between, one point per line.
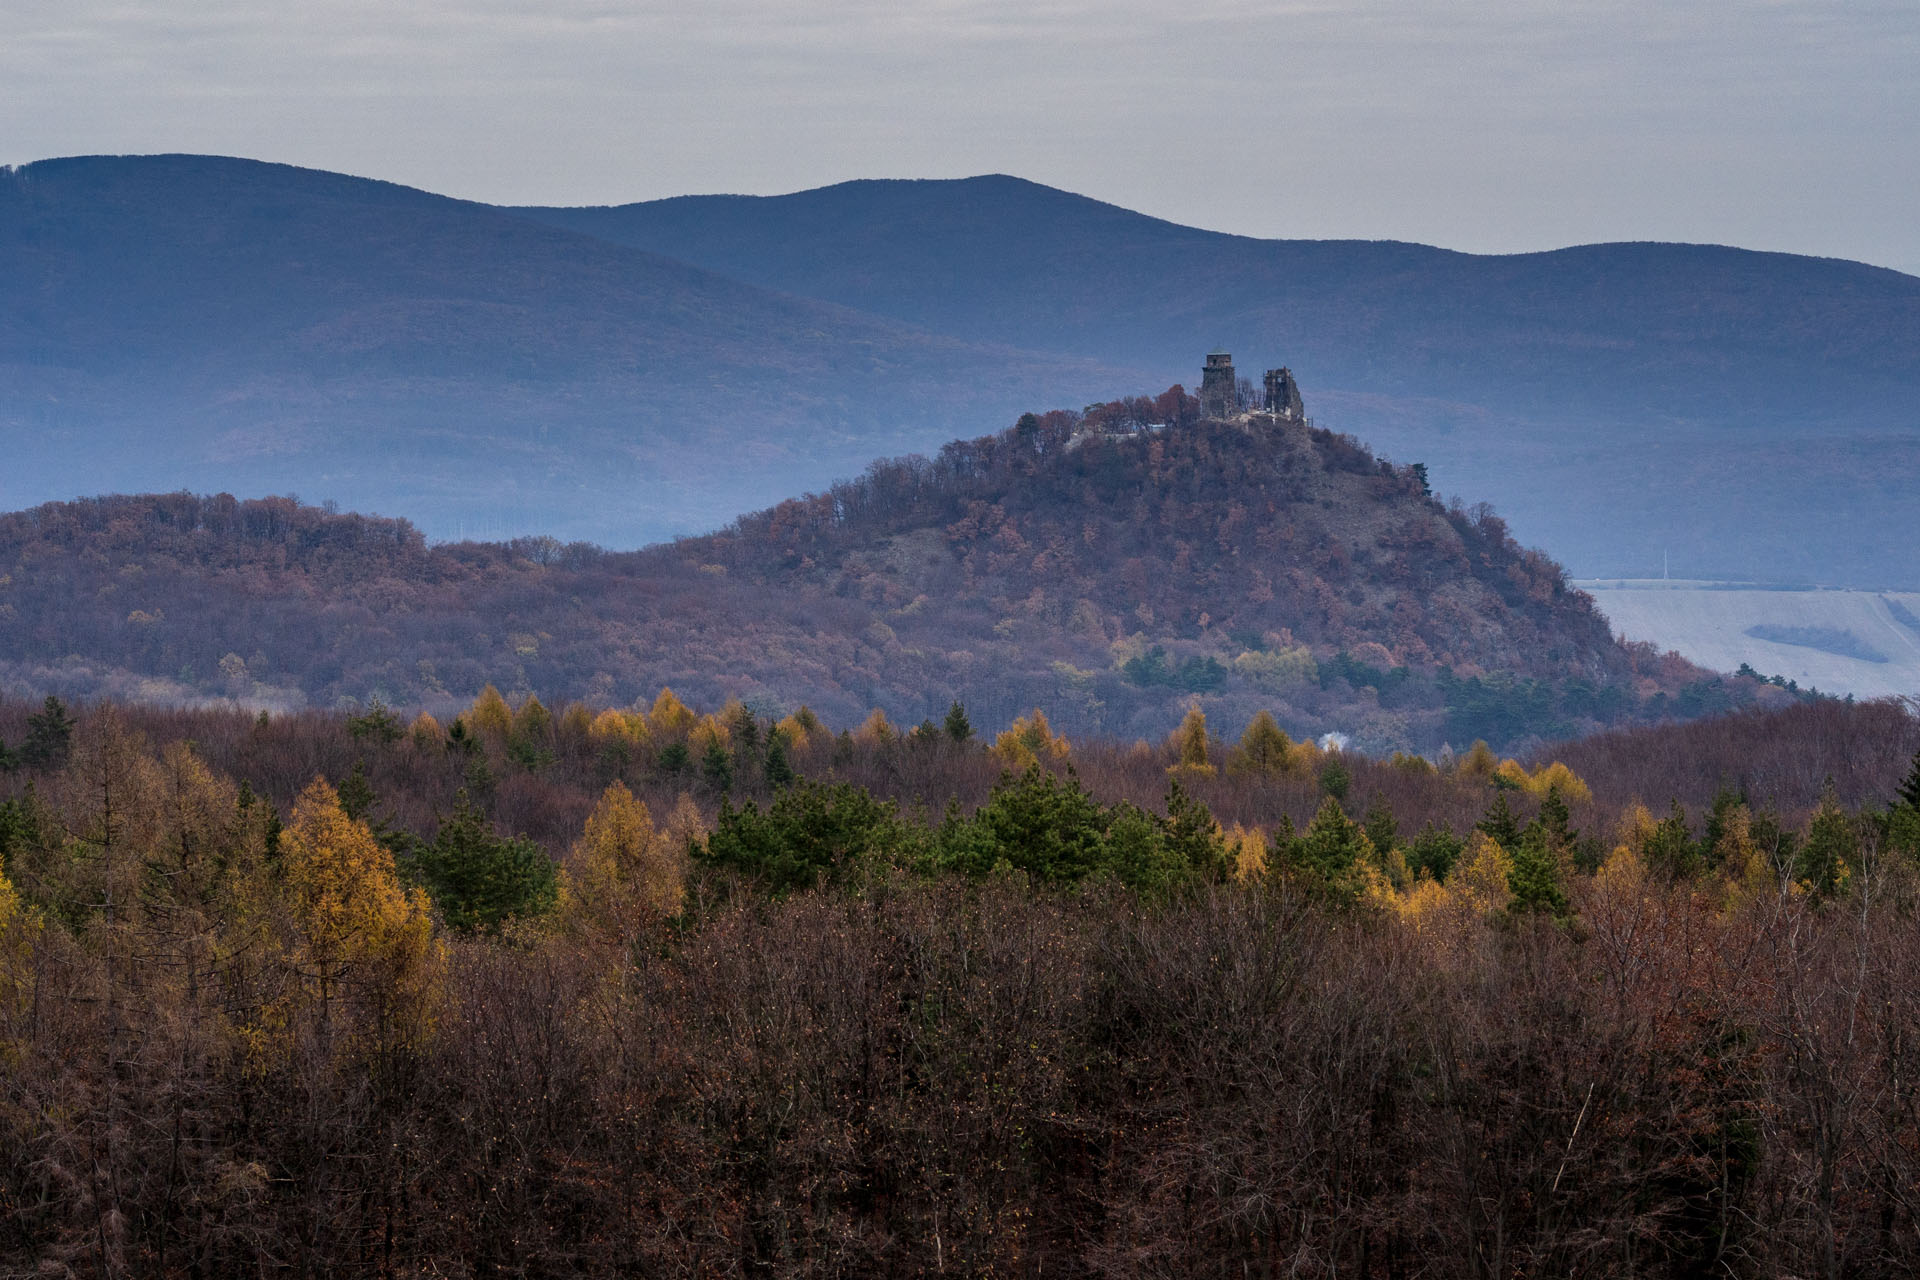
1481 124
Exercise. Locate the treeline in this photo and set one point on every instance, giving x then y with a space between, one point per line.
1108 577
684 993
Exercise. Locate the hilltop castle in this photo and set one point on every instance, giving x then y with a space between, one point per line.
1221 396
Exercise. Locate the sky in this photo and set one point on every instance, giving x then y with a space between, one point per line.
1484 125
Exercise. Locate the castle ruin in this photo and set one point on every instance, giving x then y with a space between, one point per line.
1219 391
1220 395
1283 396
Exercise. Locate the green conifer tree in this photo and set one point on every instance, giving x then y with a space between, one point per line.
1534 879
1670 849
716 766
778 768
1499 823
49 736
356 793
1832 846
1909 792
1330 849
1381 828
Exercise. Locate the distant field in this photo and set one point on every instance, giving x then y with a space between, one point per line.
1825 638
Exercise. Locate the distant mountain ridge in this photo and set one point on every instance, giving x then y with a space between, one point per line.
279 329
1002 259
1618 401
632 373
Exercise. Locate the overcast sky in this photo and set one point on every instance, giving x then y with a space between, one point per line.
1489 125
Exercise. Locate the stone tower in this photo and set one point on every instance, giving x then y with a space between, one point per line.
1283 396
1219 395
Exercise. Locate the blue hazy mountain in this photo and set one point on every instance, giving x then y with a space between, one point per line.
212 324
1616 400
623 374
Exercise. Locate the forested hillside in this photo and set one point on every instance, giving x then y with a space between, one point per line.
1106 571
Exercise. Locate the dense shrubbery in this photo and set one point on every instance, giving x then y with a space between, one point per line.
1040 1007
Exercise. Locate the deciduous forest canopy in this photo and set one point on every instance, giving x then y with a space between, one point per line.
693 993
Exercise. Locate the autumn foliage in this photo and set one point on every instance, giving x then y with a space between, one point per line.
912 1011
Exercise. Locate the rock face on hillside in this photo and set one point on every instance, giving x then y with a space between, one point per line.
1109 576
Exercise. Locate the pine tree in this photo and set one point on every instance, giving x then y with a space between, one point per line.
1831 848
778 768
959 728
1534 878
1380 827
1335 778
1434 851
1331 848
1499 823
673 759
1193 837
480 879
49 736
1669 849
716 766
356 793
1909 791
1556 821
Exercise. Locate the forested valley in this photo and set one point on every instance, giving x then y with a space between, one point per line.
1111 565
683 989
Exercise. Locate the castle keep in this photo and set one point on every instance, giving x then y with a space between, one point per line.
1220 391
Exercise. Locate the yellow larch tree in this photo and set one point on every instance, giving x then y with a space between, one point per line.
1557 776
1264 749
1750 876
708 730
426 734
670 718
625 872
1190 741
575 722
490 716
1479 880
618 726
1030 740
876 730
533 723
18 928
362 941
1248 846
1479 762
803 727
